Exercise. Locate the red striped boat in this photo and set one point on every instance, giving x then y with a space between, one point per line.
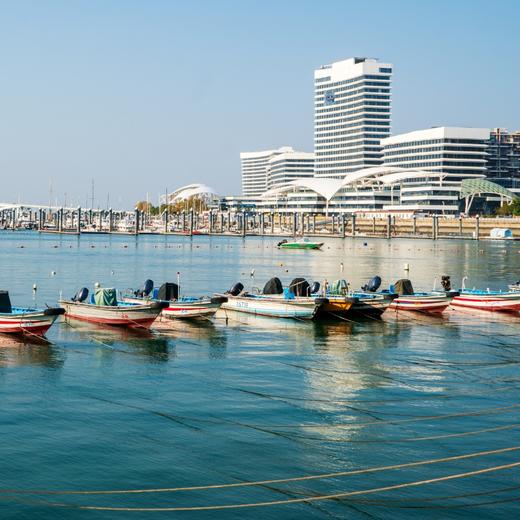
122 315
186 307
104 309
422 302
24 320
28 321
495 301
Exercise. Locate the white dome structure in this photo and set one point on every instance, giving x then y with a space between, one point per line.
201 191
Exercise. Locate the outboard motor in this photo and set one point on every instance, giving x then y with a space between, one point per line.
236 289
148 287
145 290
81 295
300 287
446 283
284 241
273 286
314 288
373 285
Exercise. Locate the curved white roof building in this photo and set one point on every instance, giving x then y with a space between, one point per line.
381 188
202 191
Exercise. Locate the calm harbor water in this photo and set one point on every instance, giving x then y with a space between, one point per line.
255 399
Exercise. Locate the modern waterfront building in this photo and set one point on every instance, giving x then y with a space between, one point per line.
289 166
255 166
452 152
270 168
459 153
503 160
352 114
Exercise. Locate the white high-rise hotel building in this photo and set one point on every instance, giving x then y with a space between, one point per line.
272 168
351 116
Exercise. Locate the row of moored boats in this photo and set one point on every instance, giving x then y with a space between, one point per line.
300 300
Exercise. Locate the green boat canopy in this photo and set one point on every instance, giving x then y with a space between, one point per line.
106 297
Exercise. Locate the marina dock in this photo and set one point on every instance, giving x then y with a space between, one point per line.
78 221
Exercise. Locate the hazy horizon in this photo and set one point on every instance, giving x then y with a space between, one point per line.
143 97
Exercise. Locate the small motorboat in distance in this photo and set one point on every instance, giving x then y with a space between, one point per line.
104 308
425 302
274 301
299 244
25 320
515 287
178 307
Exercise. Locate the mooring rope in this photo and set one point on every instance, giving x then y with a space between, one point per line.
484 411
308 499
406 439
321 476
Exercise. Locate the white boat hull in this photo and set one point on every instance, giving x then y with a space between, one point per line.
421 303
132 316
179 309
30 322
273 307
506 302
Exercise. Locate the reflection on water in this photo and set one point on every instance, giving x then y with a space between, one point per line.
242 397
28 350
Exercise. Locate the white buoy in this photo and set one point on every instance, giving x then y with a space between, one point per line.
406 267
97 285
35 288
53 273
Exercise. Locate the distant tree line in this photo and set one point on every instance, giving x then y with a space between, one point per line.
195 203
512 209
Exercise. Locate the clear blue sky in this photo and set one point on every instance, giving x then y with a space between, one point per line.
144 95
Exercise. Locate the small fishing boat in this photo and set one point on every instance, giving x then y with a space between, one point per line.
364 303
178 307
515 287
299 244
272 303
339 303
496 301
104 308
25 320
425 302
370 305
273 307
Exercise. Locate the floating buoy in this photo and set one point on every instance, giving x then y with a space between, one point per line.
35 288
53 273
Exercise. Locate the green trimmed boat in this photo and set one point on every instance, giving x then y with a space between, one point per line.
300 244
